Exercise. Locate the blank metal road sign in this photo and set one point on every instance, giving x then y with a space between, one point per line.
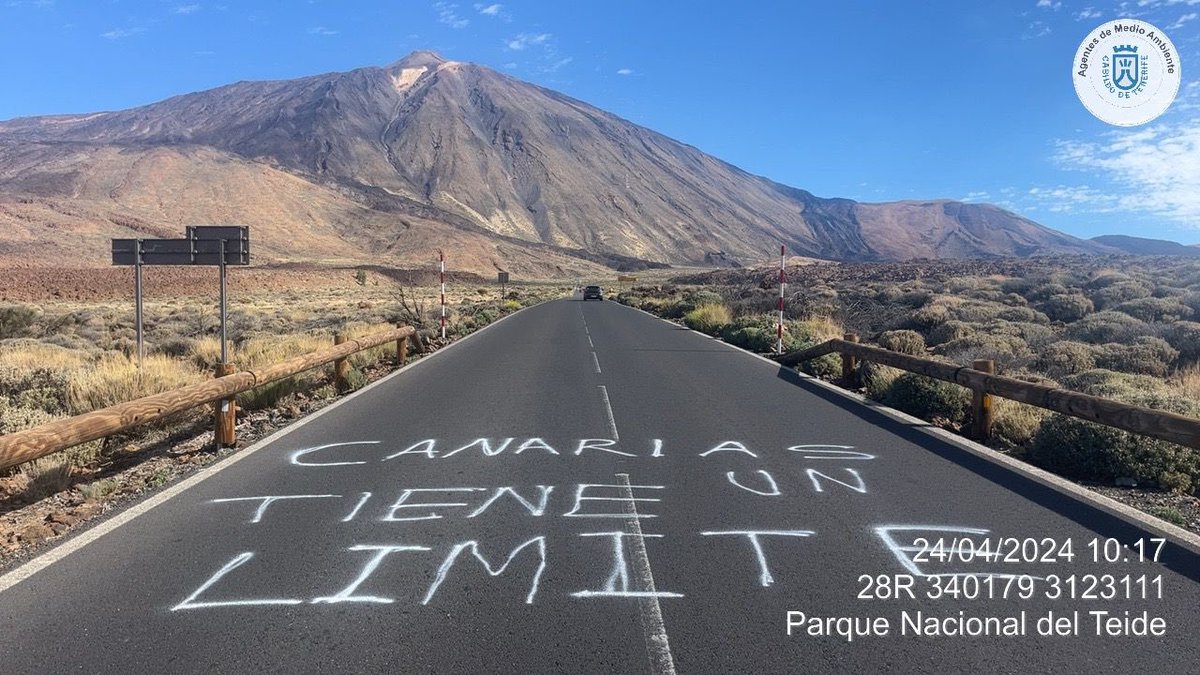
181 251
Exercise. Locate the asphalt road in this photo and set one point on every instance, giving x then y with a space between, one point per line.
610 534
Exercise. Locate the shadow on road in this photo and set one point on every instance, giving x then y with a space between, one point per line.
1176 557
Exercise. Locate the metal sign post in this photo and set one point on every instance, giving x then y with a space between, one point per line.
219 245
782 284
502 277
137 296
224 315
442 269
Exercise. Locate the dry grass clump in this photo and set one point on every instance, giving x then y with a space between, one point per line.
709 318
1187 382
817 328
876 379
903 341
115 378
1015 424
30 354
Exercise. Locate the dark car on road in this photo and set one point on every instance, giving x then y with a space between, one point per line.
593 293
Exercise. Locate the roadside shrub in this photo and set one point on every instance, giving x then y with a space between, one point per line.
758 334
876 379
930 316
1174 481
176 347
1185 337
1034 334
1045 292
1067 307
1107 278
1144 356
1008 351
510 305
1015 300
750 301
1111 384
949 331
979 312
708 319
1015 424
888 294
693 300
1104 327
814 329
1155 309
1117 293
1084 450
1023 315
16 321
828 367
903 341
18 417
1017 285
1066 358
1168 513
928 398
915 299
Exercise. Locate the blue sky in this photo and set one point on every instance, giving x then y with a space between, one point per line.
874 101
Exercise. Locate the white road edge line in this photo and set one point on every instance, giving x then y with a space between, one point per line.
590 344
77 542
596 361
658 647
1109 505
612 422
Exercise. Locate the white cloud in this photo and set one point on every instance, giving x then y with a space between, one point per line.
1036 29
121 33
625 71
1072 198
976 196
1156 170
186 9
489 10
321 30
1190 16
525 40
1049 4
448 15
1088 13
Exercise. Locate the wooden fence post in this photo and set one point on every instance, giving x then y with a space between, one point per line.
341 368
981 405
401 352
225 434
849 362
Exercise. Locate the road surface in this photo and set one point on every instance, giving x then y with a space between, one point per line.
585 488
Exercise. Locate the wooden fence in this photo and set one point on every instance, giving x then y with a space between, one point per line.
30 444
984 384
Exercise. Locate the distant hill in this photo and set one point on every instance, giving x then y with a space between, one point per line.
1143 246
385 165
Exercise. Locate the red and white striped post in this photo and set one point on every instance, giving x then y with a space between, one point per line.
442 270
782 283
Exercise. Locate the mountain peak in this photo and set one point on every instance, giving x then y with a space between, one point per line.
421 57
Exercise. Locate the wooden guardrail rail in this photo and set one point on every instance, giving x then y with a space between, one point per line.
52 437
1158 424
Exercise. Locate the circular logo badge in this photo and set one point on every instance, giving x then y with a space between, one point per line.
1126 72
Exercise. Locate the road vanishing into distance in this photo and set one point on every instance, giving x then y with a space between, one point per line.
585 488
